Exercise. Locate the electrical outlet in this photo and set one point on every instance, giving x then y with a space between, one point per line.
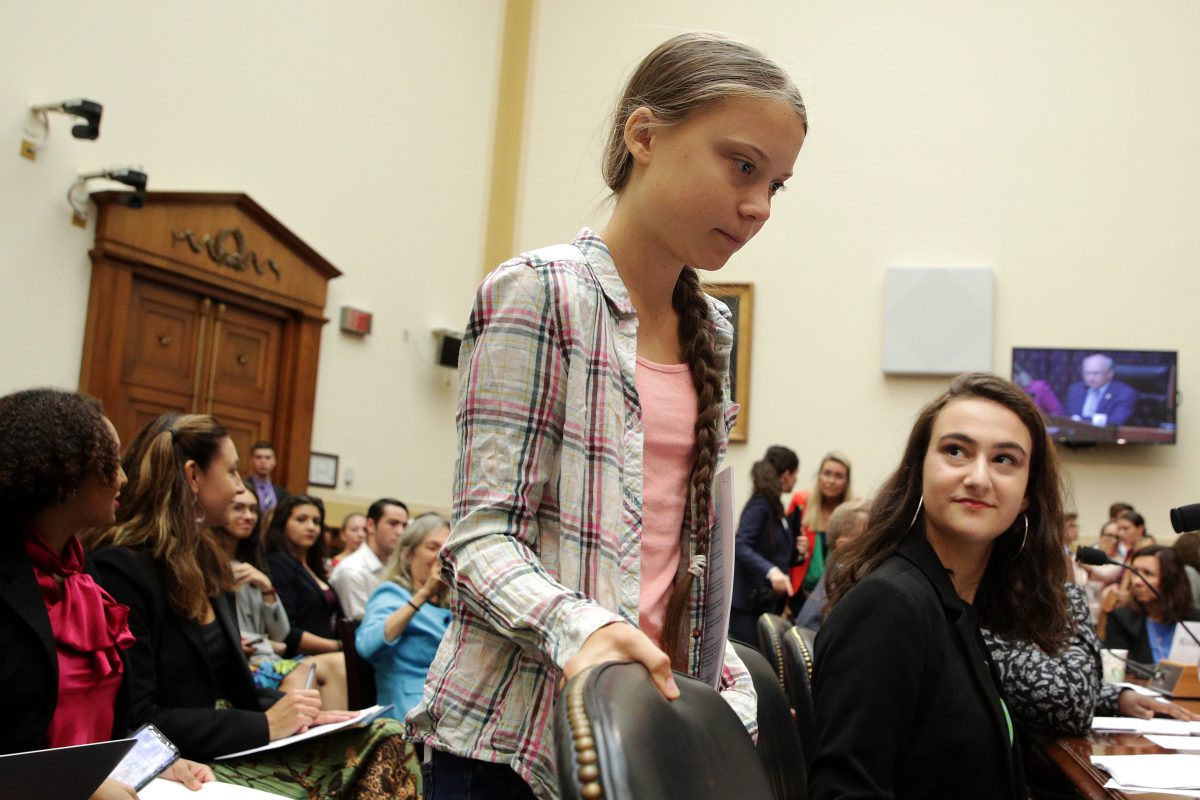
28 150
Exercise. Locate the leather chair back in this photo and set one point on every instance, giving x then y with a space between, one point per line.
360 675
778 743
797 657
618 738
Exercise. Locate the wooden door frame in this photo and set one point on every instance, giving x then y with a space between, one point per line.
126 247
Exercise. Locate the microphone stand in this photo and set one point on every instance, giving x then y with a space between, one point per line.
1094 557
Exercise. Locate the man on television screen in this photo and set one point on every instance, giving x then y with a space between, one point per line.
1099 398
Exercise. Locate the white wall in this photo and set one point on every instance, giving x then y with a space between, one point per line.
365 128
1051 142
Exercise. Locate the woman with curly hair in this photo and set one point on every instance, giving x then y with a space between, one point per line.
188 673
61 634
966 531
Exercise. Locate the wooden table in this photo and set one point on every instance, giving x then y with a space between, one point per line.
1072 756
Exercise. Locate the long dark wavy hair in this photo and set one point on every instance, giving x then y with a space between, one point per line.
277 540
1022 595
1172 581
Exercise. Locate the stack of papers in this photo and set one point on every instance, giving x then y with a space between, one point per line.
1159 725
1173 774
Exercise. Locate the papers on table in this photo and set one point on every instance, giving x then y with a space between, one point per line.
1153 773
1159 725
162 789
362 718
1189 744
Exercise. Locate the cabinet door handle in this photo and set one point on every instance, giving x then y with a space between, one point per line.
243 360
205 307
216 346
164 340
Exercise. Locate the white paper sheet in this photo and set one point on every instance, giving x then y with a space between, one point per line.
161 789
363 717
1135 790
720 581
1152 772
1189 744
1159 725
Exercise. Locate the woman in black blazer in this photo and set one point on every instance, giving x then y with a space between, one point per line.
967 529
188 672
60 473
1147 630
296 557
764 545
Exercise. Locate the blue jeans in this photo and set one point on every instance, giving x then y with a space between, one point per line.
450 777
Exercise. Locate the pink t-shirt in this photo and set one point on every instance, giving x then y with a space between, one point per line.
668 401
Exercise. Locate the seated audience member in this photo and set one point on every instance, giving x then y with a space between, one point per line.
1146 629
407 615
966 532
354 533
1187 547
763 548
360 572
846 524
262 462
1131 530
1109 543
296 557
188 674
267 636
62 635
1057 695
1099 398
1039 391
809 513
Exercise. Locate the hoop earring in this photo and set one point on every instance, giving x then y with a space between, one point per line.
1024 536
917 513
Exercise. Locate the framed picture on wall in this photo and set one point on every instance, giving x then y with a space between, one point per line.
322 470
740 299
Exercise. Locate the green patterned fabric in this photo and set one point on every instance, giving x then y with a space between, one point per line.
359 763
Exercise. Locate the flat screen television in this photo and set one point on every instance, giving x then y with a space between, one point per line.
1101 396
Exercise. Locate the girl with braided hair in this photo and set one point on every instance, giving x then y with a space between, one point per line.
593 412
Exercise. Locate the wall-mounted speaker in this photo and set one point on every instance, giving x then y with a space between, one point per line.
448 346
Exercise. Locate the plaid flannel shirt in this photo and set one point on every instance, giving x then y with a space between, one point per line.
545 548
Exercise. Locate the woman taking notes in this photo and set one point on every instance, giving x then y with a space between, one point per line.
966 530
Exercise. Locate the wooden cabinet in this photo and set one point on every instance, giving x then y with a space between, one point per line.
204 303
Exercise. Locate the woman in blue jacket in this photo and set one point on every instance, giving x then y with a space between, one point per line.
764 545
406 616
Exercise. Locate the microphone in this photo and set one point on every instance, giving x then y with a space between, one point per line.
1096 558
1186 518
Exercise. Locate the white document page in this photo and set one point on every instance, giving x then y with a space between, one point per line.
1189 744
1166 727
719 571
362 718
1170 771
1183 649
162 789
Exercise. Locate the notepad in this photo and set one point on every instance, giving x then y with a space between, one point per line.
364 717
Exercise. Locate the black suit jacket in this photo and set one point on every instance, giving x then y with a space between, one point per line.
763 541
1126 630
302 598
28 655
907 700
170 681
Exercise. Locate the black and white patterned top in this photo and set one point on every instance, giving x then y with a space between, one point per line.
1056 695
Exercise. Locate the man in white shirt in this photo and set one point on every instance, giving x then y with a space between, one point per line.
357 575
